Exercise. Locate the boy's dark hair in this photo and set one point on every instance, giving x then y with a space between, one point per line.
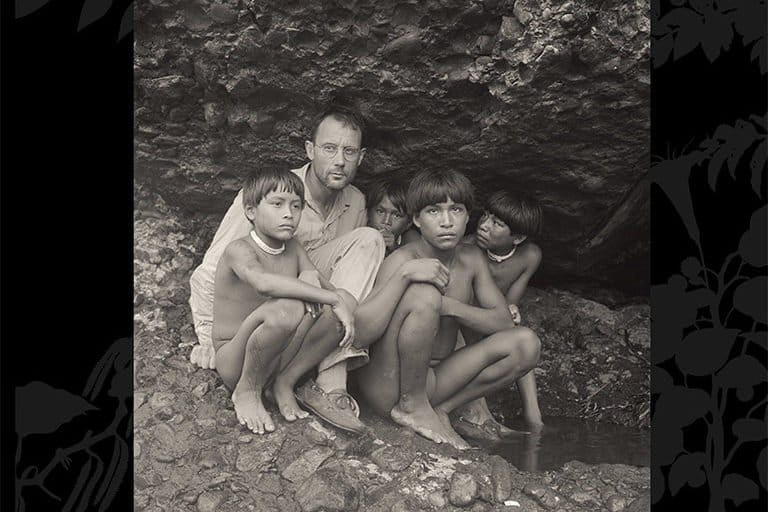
347 114
436 186
260 183
521 214
392 187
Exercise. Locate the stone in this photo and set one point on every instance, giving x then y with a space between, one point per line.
329 489
161 400
501 478
215 115
222 13
300 469
616 503
463 490
641 504
200 390
209 501
437 499
392 458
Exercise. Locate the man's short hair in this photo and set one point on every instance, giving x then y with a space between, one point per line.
260 183
393 187
346 114
521 214
436 186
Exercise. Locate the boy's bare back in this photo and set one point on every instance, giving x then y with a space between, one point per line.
234 298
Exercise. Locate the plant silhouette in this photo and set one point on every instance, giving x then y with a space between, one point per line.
101 458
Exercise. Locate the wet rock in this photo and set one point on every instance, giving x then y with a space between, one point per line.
463 491
437 499
222 13
200 390
641 504
329 489
258 454
162 400
209 501
543 495
140 501
300 469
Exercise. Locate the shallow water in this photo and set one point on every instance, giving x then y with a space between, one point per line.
565 439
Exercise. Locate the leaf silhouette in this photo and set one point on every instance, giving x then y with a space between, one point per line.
749 298
661 49
688 37
749 429
126 23
758 54
661 381
82 478
741 372
739 489
690 267
113 480
687 469
673 177
658 484
762 467
26 7
705 351
719 35
756 166
92 11
60 407
667 443
752 244
117 357
760 337
682 406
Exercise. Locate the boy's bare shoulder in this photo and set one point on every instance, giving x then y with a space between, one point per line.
240 250
403 254
530 253
470 253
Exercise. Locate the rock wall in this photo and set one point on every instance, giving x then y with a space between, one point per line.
548 96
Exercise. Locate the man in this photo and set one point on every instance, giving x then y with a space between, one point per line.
333 233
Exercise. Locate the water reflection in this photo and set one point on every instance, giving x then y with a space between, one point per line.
565 439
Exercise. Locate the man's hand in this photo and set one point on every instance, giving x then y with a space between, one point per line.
314 309
515 312
347 319
427 270
389 238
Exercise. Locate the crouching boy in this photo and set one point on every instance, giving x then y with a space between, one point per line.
420 300
270 325
385 200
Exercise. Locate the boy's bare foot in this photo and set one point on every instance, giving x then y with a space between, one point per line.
456 441
286 401
424 420
250 411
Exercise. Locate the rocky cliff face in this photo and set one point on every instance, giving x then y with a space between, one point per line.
548 96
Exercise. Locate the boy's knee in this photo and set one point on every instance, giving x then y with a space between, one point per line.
284 314
528 346
423 298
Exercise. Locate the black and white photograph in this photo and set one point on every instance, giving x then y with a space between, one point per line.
392 255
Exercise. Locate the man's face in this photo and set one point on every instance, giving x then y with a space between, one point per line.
335 153
442 225
385 216
276 216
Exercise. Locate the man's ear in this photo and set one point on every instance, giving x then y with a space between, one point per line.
309 147
360 156
518 239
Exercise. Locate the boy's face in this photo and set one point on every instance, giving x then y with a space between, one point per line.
493 233
276 216
442 225
385 216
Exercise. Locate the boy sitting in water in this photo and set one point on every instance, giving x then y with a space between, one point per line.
268 325
503 233
385 200
419 302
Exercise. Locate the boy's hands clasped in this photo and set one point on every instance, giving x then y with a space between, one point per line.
427 270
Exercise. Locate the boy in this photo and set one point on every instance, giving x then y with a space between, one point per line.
386 210
269 326
507 222
420 300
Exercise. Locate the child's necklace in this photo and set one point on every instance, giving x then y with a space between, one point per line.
499 259
264 247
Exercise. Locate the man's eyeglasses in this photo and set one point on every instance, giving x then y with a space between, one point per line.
330 151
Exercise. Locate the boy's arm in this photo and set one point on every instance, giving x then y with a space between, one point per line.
248 269
532 261
492 315
306 265
397 271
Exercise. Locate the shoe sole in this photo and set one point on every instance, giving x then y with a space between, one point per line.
327 420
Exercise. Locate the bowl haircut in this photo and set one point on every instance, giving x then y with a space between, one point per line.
437 186
391 187
260 183
521 214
